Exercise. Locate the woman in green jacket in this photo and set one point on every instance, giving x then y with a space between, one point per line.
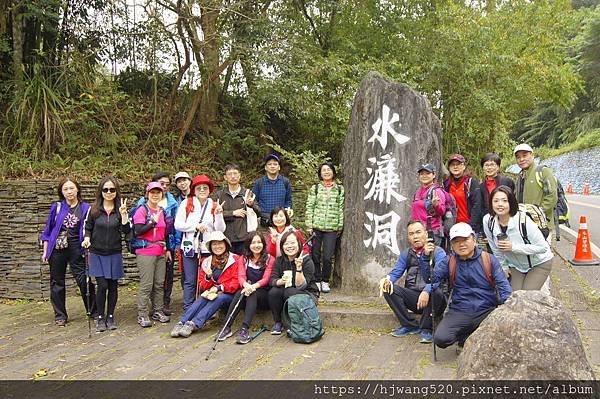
325 221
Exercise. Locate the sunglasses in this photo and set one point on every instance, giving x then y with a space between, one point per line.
109 190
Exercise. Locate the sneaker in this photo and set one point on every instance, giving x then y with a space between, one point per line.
243 337
167 310
144 321
187 329
226 333
276 330
61 322
426 337
319 286
404 331
160 317
176 330
110 323
325 286
100 324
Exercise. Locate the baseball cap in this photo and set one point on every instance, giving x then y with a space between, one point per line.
428 167
523 147
154 185
457 157
461 230
180 175
272 156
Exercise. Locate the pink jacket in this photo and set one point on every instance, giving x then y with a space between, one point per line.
419 211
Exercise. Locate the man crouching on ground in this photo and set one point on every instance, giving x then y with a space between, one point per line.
417 290
477 286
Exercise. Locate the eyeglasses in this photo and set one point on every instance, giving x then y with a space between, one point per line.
109 190
202 188
165 183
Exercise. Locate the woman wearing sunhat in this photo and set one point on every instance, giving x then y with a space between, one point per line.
218 281
197 216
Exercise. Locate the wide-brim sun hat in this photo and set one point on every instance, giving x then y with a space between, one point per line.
216 236
202 179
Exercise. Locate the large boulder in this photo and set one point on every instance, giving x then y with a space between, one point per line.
392 130
530 337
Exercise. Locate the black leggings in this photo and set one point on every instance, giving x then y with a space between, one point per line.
104 285
259 299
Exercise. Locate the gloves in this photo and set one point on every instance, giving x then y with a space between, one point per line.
385 285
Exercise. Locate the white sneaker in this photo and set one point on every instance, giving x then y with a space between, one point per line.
319 286
325 287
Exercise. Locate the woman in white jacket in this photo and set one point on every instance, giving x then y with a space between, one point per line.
197 216
516 241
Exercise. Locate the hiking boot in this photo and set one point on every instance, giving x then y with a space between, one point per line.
276 330
160 316
187 329
243 336
176 330
325 286
426 337
111 324
100 324
167 310
226 333
404 331
60 322
144 321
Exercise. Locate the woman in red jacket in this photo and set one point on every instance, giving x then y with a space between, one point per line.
219 282
254 271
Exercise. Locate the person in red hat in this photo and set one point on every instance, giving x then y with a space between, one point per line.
197 216
466 191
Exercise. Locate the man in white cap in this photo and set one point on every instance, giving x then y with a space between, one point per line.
183 182
477 286
536 184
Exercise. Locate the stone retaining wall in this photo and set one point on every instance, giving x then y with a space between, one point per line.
24 206
577 168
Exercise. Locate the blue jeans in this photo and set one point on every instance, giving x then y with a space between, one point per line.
202 310
190 280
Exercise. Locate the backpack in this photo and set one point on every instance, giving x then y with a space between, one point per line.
301 316
561 211
487 270
536 214
449 217
131 241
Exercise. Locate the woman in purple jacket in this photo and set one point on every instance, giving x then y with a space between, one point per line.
61 239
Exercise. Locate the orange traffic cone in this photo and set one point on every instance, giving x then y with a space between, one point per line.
569 188
583 250
586 188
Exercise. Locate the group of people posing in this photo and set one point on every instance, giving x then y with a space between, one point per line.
449 277
233 245
237 249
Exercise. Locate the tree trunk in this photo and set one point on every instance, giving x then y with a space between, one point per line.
210 51
17 35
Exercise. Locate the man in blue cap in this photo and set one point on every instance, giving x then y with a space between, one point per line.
272 190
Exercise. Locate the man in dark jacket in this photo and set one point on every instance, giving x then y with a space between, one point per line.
490 163
472 295
235 199
465 190
417 262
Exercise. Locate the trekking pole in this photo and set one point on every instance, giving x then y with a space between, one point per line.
430 238
263 328
87 292
224 326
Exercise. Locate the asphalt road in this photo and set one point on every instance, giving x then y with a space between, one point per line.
589 206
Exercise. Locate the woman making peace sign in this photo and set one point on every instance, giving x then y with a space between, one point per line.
104 228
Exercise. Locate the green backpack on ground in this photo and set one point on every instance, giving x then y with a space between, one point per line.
301 316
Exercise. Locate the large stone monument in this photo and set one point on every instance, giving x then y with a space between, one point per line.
392 130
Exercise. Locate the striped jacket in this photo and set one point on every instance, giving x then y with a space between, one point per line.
325 208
